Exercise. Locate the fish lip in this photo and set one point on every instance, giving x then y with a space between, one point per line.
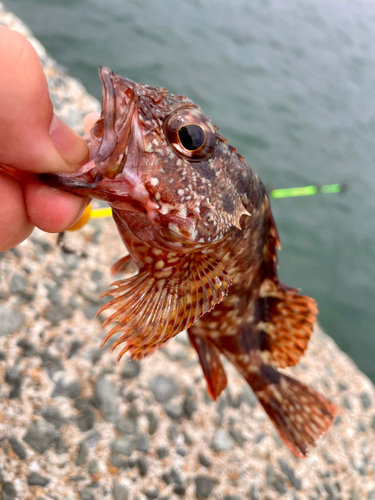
70 182
119 124
109 138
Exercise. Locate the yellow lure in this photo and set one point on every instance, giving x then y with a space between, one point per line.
90 213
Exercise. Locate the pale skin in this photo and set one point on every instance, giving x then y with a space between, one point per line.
32 140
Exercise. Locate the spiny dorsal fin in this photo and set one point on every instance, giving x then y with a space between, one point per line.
156 305
287 320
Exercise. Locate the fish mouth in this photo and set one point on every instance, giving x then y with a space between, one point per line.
121 139
115 141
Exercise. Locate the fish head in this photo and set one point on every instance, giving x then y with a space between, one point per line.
158 155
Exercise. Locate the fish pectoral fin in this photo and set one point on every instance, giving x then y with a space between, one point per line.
286 320
213 370
161 302
124 265
300 414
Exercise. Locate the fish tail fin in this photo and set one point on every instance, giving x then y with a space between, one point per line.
213 370
300 414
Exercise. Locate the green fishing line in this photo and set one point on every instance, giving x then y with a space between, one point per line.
306 191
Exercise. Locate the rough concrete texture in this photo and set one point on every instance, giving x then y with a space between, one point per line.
74 424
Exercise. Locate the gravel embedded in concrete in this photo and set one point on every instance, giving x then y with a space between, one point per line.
122 446
18 447
174 409
204 486
127 425
86 420
54 416
82 454
131 369
11 320
8 492
119 491
142 443
222 441
36 479
18 283
106 394
163 387
67 389
290 474
57 313
40 435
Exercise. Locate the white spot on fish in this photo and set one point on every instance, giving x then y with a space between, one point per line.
213 325
182 211
174 227
154 181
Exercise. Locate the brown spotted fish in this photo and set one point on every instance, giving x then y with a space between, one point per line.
196 221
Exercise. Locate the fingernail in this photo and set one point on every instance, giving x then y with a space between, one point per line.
68 143
89 121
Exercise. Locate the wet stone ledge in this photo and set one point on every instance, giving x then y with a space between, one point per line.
75 425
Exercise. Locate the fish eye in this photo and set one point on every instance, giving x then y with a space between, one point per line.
190 133
191 136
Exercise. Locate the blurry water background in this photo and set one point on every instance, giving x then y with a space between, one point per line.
292 85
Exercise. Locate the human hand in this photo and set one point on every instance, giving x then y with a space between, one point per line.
32 140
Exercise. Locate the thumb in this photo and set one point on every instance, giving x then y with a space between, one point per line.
32 138
66 149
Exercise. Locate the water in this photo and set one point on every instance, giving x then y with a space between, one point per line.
291 85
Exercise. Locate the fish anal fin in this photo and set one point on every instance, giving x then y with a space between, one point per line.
212 367
301 415
161 301
286 319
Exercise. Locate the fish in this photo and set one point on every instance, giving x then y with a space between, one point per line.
197 223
